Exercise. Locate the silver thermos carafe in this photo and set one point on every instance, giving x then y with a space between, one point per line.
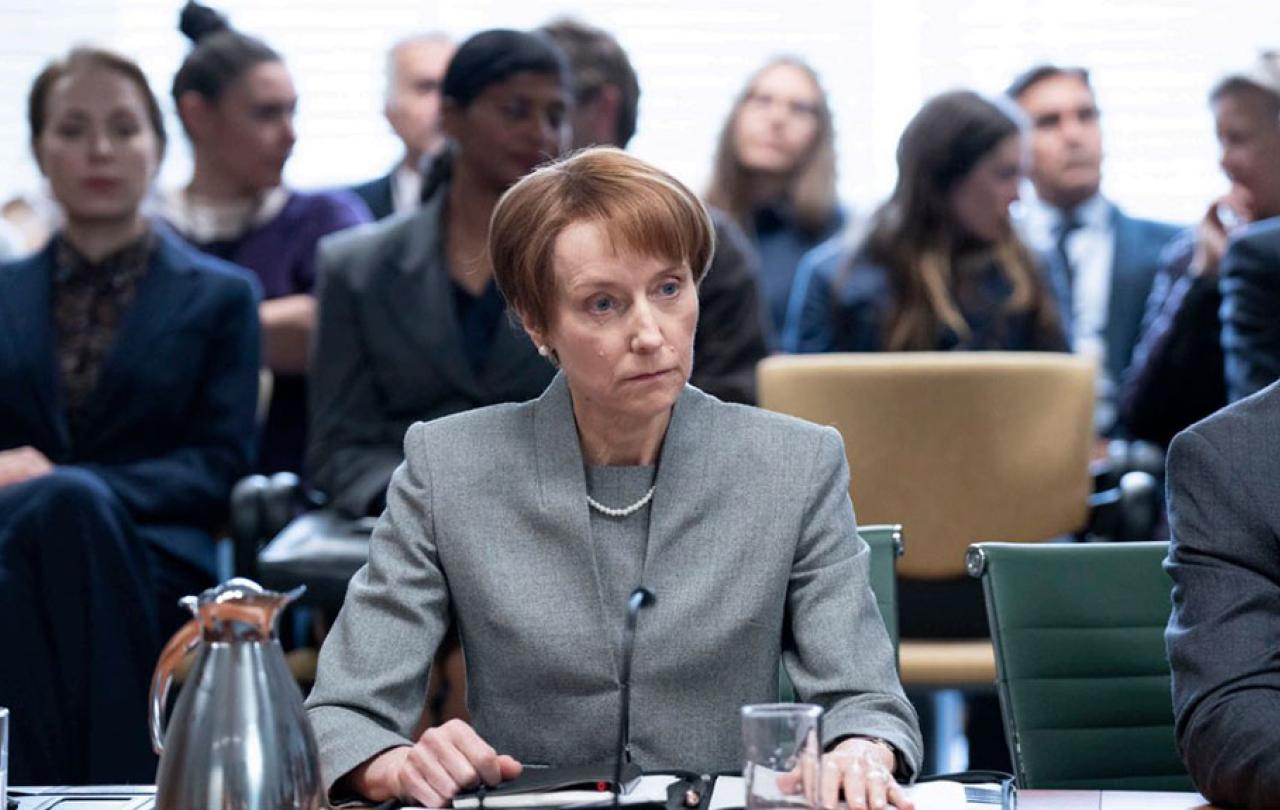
239 737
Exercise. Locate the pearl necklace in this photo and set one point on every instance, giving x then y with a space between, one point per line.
625 510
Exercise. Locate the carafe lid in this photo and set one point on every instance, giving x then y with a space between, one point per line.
239 610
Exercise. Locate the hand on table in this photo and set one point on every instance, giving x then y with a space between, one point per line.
445 761
22 464
862 769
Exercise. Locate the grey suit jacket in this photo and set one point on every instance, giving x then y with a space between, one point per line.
1250 283
1224 632
389 351
752 556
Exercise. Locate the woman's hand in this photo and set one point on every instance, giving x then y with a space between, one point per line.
22 464
864 769
443 762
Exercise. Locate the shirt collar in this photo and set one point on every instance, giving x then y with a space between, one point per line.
121 266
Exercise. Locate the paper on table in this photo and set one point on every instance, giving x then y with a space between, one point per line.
730 791
648 789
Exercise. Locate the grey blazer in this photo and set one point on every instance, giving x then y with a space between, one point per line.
1224 559
752 556
389 351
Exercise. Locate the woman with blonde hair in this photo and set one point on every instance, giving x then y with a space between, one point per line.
941 266
775 172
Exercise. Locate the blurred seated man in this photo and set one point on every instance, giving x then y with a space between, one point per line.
1101 261
415 69
1182 331
731 331
1222 634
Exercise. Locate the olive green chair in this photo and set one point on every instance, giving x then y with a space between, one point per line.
885 543
1080 663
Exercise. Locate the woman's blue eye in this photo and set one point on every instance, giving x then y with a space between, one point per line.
670 288
600 304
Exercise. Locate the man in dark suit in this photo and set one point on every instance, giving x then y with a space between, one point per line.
415 67
1101 261
1251 309
1224 632
732 335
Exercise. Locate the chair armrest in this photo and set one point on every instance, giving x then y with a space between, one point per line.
1129 511
260 507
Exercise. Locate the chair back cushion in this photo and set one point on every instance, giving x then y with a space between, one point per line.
1080 660
959 447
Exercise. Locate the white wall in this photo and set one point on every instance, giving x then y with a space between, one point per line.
1152 62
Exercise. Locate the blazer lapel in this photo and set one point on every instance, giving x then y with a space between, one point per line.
161 296
419 297
682 475
26 319
562 486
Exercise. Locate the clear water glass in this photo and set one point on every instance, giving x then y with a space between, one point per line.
4 757
783 747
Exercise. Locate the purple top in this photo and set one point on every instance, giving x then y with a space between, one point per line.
282 252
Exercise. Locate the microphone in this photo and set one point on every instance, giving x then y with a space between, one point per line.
640 598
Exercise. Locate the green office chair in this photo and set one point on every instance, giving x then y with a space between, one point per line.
885 543
1080 663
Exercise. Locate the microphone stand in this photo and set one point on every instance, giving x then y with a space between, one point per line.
640 598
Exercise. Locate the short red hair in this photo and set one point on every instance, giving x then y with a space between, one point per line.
643 209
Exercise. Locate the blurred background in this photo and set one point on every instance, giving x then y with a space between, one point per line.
1152 62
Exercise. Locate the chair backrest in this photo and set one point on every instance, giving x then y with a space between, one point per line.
885 543
1080 663
960 447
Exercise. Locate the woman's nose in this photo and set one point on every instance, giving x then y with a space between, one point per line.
647 336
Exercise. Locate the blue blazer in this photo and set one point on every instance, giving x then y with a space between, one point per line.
170 426
1139 244
377 195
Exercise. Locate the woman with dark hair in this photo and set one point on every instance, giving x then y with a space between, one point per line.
129 364
775 172
236 101
940 267
411 324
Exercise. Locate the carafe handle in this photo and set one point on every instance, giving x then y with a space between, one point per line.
182 643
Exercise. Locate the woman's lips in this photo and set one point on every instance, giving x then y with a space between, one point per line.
102 184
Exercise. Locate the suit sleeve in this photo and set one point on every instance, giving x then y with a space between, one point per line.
1225 626
809 312
371 683
352 446
1251 313
193 481
840 656
731 335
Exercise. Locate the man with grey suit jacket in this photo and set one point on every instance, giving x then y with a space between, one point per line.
1101 261
1224 633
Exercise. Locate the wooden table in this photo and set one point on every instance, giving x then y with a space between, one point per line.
1109 800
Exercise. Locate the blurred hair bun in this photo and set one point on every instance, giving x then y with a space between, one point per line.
199 21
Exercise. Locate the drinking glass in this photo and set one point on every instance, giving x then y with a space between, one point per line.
783 749
4 757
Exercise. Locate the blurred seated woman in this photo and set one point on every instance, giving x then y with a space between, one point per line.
412 325
130 368
940 267
236 101
530 524
775 173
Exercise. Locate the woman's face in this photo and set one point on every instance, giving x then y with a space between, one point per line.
778 121
621 325
980 201
248 133
97 148
511 127
1249 138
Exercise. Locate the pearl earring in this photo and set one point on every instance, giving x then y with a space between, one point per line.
544 351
